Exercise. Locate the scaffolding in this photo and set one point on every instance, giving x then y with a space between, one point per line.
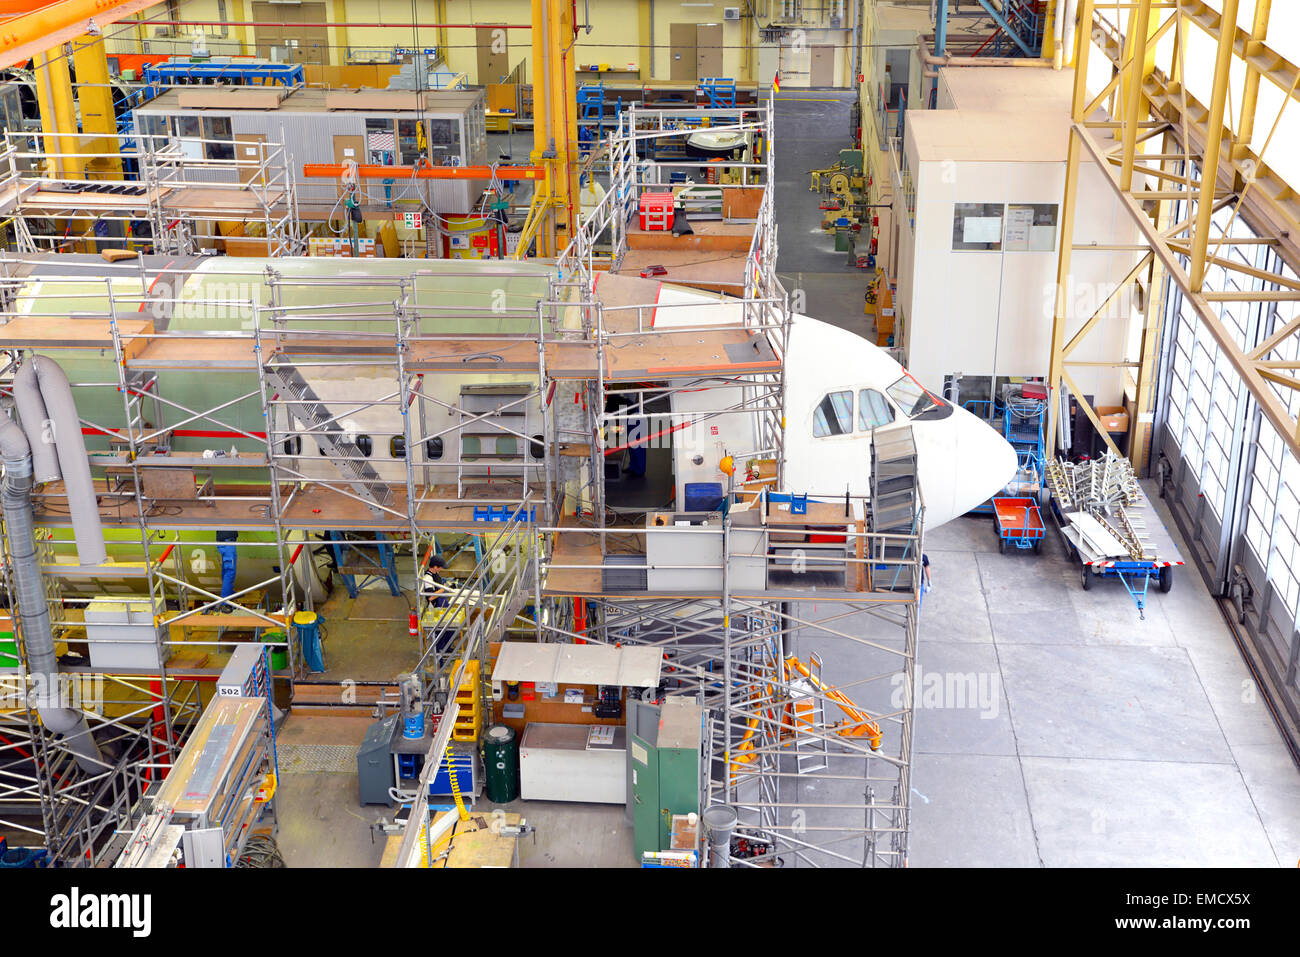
178 202
514 367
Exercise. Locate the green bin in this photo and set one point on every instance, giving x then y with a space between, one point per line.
8 650
279 656
501 764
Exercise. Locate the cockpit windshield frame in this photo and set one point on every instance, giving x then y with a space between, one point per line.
916 402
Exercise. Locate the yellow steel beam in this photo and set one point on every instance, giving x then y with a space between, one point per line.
1250 89
58 115
1214 140
241 17
1269 403
1056 374
1140 65
95 97
1075 340
555 119
339 52
23 38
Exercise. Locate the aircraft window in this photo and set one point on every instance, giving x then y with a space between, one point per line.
915 401
874 410
834 415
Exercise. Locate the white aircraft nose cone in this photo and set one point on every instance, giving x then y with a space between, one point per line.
986 462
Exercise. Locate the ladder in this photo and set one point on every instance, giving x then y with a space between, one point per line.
305 406
811 750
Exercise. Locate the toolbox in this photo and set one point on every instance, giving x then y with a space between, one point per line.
657 211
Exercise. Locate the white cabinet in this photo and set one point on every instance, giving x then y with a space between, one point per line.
557 763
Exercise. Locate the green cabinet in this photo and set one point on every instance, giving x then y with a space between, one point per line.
664 761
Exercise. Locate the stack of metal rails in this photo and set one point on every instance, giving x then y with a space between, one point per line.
1108 525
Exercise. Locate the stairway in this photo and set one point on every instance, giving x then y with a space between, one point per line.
306 408
893 506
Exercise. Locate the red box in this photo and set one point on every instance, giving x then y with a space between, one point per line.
657 211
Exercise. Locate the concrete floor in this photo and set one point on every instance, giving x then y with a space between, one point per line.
1092 738
1112 741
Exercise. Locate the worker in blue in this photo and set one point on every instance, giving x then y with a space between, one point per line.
229 560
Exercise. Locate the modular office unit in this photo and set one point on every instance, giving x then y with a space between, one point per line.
369 127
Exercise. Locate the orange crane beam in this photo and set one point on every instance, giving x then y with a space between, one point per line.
336 171
24 36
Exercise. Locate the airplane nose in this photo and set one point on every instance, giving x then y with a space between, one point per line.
985 463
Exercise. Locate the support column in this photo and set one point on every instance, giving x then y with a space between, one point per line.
940 45
555 120
1061 314
58 117
240 16
98 119
1213 140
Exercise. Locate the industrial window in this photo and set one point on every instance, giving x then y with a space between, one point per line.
873 410
444 137
410 141
977 226
834 415
381 144
221 141
1031 227
155 129
188 131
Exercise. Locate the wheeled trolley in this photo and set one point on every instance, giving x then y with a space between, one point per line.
1018 522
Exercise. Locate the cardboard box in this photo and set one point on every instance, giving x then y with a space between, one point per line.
1113 418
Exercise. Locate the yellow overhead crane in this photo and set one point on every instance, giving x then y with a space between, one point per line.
554 210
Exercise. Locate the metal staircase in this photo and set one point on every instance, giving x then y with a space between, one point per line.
893 507
1018 27
305 407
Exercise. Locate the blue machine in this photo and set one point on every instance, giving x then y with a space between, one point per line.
238 72
1022 423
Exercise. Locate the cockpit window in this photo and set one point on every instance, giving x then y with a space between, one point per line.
874 410
834 415
912 399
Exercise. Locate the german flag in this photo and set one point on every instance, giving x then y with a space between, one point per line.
776 82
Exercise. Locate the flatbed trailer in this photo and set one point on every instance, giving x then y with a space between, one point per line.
1135 574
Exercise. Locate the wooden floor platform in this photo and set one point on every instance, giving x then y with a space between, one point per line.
712 272
580 549
246 507
708 236
652 355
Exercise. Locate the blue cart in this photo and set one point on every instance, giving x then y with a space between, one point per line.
1134 574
